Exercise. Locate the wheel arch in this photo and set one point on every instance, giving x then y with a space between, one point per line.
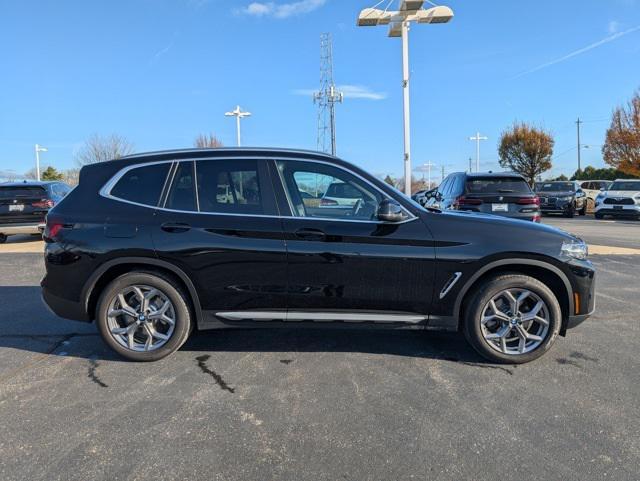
116 267
545 272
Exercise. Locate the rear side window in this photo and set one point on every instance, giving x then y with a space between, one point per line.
229 186
8 193
142 185
182 195
497 185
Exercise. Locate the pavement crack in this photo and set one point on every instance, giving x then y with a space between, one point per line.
205 369
91 373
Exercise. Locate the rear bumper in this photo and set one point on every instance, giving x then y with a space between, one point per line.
63 307
13 229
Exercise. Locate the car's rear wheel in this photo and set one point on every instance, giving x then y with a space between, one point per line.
512 318
143 316
3 238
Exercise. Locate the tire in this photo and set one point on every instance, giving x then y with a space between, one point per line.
598 216
583 211
3 238
159 289
509 347
570 212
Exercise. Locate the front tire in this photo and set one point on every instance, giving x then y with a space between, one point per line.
3 238
512 318
570 212
583 211
598 216
143 316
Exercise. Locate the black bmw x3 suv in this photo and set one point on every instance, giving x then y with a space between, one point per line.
152 246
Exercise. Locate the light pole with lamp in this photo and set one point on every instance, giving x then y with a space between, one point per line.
477 139
238 114
39 149
399 21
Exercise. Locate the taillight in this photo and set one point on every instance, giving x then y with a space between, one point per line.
326 202
53 227
463 201
43 204
528 201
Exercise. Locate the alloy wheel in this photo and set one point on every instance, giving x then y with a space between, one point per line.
515 321
141 318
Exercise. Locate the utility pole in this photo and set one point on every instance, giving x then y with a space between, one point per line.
470 165
477 139
39 149
238 114
327 97
578 123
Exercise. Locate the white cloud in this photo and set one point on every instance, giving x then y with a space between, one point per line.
350 92
613 26
282 10
575 53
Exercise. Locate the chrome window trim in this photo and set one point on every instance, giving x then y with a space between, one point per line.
105 191
321 316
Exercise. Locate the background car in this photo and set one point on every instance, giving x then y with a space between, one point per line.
423 196
561 197
24 205
621 199
506 194
592 188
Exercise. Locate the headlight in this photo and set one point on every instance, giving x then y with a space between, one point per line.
575 248
566 197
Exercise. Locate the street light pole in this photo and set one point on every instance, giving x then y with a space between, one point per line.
399 22
39 149
478 138
238 114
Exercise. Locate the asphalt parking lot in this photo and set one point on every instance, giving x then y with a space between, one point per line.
316 405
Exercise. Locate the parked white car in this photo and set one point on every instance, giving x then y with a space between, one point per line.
622 199
592 188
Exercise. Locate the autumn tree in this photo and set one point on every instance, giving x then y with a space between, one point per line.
526 150
622 144
207 141
51 173
99 149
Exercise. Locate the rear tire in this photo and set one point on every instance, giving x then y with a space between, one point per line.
3 238
143 316
516 329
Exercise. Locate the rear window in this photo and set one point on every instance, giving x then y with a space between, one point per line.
229 186
497 185
343 191
32 192
142 185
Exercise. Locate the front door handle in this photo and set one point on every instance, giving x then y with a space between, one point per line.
311 234
175 227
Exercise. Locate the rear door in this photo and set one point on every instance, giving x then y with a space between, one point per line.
219 224
22 204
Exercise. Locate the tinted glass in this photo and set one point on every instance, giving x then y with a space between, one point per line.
334 192
497 185
22 192
142 185
444 187
182 195
555 187
229 186
625 186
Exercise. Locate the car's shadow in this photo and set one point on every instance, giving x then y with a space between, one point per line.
26 325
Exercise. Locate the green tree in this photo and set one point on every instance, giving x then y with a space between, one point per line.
50 173
621 149
526 150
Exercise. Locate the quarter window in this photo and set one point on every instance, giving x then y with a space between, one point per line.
324 191
142 185
229 186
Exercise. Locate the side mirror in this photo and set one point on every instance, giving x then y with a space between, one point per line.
390 211
602 189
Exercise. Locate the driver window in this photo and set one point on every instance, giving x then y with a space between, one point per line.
324 191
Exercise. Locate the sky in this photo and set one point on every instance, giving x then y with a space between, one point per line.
160 72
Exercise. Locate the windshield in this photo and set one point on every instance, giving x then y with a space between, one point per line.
21 192
493 185
625 186
555 187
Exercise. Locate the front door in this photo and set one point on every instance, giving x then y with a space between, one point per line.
219 224
341 258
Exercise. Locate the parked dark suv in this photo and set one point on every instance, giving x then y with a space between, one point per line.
560 197
505 193
23 206
151 246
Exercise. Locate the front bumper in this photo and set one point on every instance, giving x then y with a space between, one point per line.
622 210
583 283
557 207
13 229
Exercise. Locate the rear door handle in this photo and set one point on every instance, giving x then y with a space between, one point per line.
175 227
311 234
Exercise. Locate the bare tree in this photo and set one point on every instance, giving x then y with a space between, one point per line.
204 141
526 150
100 149
622 144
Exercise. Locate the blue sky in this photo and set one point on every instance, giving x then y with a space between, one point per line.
161 71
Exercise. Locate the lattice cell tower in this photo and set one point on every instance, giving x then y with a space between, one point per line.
327 98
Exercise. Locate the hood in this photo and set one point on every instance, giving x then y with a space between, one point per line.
621 193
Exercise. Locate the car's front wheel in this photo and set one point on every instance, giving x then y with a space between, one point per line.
143 316
512 318
3 238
